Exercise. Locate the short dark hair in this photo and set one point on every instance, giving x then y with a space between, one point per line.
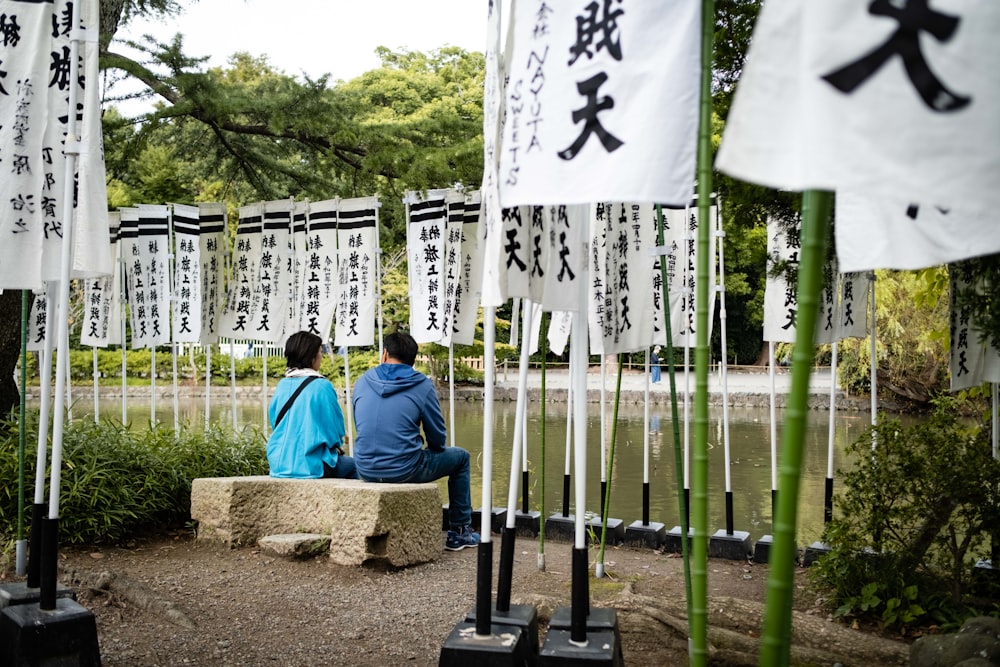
401 347
301 348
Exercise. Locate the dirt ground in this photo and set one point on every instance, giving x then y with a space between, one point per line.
176 601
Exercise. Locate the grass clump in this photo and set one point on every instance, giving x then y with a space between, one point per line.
119 481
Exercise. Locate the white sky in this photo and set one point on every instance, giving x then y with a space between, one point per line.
320 36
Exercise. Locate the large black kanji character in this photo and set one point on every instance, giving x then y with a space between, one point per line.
513 245
588 114
9 30
588 26
914 17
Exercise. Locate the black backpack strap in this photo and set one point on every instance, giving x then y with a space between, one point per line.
291 400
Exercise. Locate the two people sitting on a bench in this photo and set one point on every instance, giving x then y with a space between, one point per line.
306 421
391 403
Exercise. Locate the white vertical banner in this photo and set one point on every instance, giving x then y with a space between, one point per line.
27 196
238 312
319 287
828 322
601 103
515 249
212 253
628 307
565 251
37 325
896 99
149 287
890 233
853 305
357 256
470 282
599 232
34 89
455 221
683 293
973 361
559 327
425 248
186 305
494 284
781 303
128 252
102 301
300 242
91 255
273 292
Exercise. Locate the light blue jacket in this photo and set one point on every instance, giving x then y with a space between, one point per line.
307 434
391 403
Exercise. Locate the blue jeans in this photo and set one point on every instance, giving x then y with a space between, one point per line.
345 468
453 463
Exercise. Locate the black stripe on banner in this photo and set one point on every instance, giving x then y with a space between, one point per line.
251 224
357 224
299 226
211 229
128 230
360 213
424 213
322 215
319 225
277 224
189 227
152 227
218 217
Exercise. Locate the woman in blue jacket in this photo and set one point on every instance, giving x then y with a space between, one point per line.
307 423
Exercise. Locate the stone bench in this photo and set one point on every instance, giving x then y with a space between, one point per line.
399 524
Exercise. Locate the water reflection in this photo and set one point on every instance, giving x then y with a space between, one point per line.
750 450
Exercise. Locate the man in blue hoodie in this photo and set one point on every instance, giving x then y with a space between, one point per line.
391 403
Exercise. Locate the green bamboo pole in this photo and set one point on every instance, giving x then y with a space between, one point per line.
777 638
541 470
698 607
21 427
611 463
674 415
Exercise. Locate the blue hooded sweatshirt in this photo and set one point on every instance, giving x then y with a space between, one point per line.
391 403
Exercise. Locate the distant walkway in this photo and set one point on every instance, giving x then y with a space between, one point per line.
740 381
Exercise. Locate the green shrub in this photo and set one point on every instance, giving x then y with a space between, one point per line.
919 509
118 481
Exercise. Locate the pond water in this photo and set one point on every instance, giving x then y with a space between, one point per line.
750 449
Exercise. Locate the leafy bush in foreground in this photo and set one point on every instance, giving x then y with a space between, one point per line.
117 481
918 511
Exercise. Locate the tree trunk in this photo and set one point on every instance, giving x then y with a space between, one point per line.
735 628
10 348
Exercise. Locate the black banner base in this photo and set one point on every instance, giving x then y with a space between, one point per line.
19 593
730 547
559 528
519 615
762 550
527 524
645 536
66 635
814 552
601 621
601 648
505 646
672 542
498 518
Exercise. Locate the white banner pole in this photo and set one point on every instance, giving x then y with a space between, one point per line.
171 286
97 403
121 312
451 394
208 383
232 380
347 398
873 366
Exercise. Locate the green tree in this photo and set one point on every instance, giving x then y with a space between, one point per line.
911 337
